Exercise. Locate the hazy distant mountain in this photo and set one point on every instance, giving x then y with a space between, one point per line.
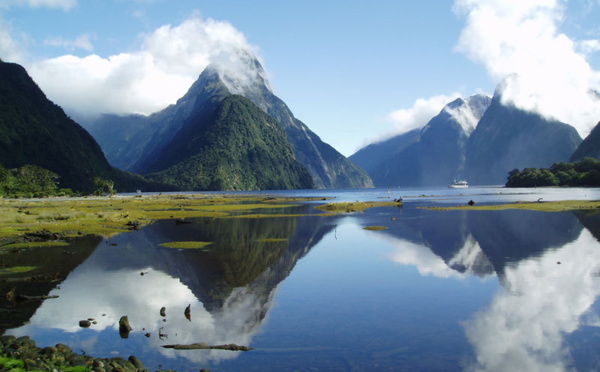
137 143
33 130
589 147
507 138
433 156
370 156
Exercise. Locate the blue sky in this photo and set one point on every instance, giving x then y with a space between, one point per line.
353 71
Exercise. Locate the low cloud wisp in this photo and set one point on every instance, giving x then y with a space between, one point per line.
542 69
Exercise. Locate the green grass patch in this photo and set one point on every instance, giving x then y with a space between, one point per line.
16 270
375 228
109 216
350 207
551 206
186 245
272 240
52 243
10 364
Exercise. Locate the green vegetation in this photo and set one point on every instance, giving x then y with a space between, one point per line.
552 206
29 181
272 240
35 131
236 146
585 172
52 243
186 245
375 228
355 207
10 364
109 216
16 270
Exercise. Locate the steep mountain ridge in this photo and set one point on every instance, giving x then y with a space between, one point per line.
431 156
589 147
231 146
145 140
507 138
35 131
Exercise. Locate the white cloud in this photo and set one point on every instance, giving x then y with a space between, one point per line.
524 327
548 71
64 4
405 120
166 64
81 42
10 49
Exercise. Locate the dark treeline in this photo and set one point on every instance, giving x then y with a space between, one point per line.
585 172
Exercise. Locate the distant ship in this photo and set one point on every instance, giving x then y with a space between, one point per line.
458 185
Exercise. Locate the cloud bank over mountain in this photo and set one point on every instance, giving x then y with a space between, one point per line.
542 70
164 66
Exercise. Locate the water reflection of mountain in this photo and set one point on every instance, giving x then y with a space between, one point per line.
52 265
483 242
230 287
243 252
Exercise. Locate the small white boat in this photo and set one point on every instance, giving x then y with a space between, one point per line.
458 185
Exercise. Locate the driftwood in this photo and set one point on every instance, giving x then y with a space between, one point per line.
203 346
13 296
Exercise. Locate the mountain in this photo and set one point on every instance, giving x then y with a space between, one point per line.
231 146
35 131
433 156
137 142
507 138
589 147
370 156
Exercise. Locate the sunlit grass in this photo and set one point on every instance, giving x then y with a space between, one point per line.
272 240
375 228
550 206
186 245
350 207
16 270
110 216
51 243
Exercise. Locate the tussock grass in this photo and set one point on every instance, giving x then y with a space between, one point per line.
186 245
551 206
16 270
350 207
375 228
110 216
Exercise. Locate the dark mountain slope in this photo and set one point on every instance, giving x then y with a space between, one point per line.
508 138
33 130
434 156
370 156
589 147
231 146
135 142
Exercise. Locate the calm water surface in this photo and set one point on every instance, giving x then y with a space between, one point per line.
452 291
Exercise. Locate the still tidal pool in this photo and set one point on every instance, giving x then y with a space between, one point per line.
454 291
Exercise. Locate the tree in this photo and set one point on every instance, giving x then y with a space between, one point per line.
104 186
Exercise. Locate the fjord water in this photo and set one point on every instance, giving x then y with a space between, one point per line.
438 290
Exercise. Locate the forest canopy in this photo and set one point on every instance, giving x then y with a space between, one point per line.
585 172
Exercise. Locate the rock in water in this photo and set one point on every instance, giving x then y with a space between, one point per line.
124 327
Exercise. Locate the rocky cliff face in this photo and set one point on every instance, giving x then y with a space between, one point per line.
431 156
590 147
507 138
140 141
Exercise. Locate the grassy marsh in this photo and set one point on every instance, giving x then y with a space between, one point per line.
375 228
186 245
109 216
550 206
350 207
